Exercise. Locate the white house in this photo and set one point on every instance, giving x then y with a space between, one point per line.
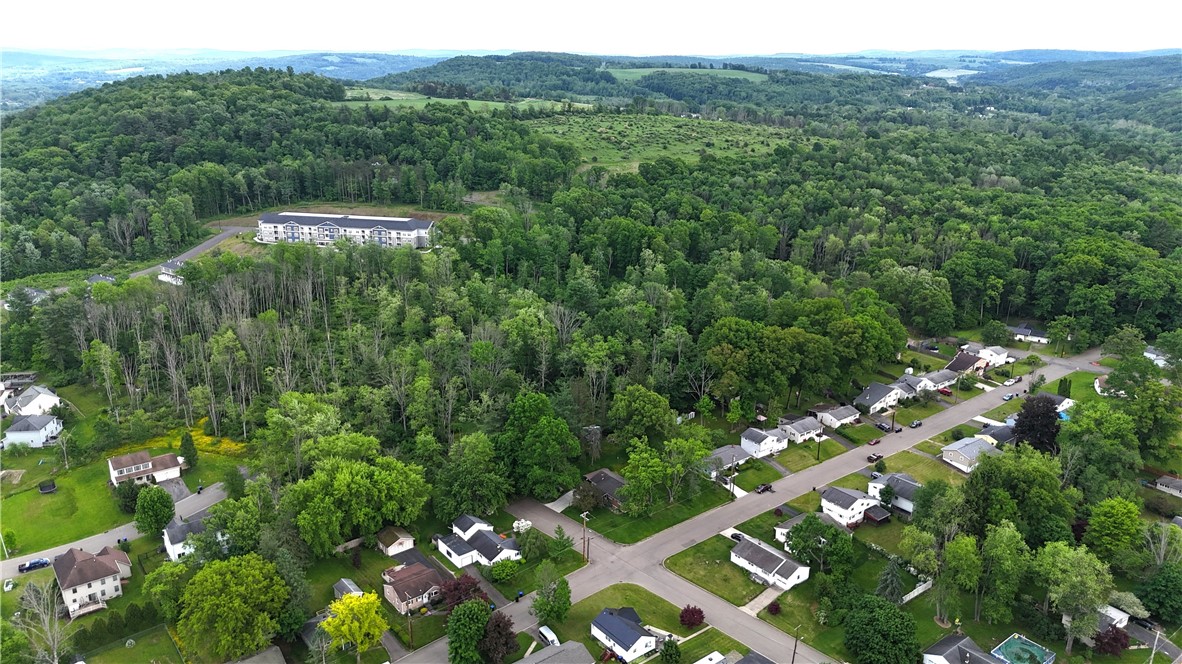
782 529
1170 485
846 506
177 532
878 397
1110 615
33 430
1156 356
170 272
724 458
966 453
836 416
773 567
88 580
910 385
474 542
622 631
34 400
801 429
324 229
762 443
141 467
902 484
1062 403
957 649
1025 332
942 378
393 540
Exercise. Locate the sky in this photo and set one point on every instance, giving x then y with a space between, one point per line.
616 27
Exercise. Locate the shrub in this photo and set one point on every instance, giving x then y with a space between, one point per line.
1112 641
774 608
778 512
504 570
692 616
126 494
357 557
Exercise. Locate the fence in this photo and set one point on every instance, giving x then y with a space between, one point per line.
159 647
919 590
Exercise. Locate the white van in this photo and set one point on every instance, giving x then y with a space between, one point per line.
548 635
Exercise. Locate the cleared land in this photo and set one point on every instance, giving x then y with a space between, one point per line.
629 75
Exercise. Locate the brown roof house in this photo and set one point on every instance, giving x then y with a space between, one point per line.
409 587
607 484
87 580
142 467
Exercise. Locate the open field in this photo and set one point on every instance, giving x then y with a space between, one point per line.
629 530
630 75
708 565
622 142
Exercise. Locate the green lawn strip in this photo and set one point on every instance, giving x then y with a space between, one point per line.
798 457
708 641
82 506
426 628
763 527
808 502
916 411
887 535
859 434
1082 386
968 335
629 529
755 472
526 577
154 645
930 447
631 75
1000 413
856 481
796 611
653 611
524 641
1110 361
923 469
708 565
88 401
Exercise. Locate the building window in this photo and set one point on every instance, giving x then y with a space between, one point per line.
104 593
75 591
89 585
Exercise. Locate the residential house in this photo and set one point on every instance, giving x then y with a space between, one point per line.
760 444
904 487
911 385
311 629
142 467
1062 403
835 416
99 279
877 397
957 649
1026 332
571 652
36 296
997 434
607 484
33 400
622 631
346 587
170 272
846 506
409 587
767 564
942 378
966 363
474 542
33 430
801 429
87 580
177 532
995 356
393 540
324 229
1170 485
725 458
782 530
1156 356
966 453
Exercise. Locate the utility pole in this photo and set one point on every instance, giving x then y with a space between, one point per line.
795 642
586 544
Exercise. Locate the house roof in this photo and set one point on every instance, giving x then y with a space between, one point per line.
727 455
1058 399
903 484
1025 329
174 264
941 376
309 628
179 529
25 398
465 522
997 350
413 580
962 362
840 412
754 658
1177 521
842 497
31 422
346 221
489 544
1000 434
76 567
391 535
959 649
606 481
874 393
755 435
159 463
96 278
766 559
345 587
877 513
457 544
129 460
623 626
571 652
804 425
825 518
971 448
1171 482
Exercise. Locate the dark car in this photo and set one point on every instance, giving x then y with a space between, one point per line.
1144 623
36 563
738 537
764 488
875 441
915 424
884 426
898 429
874 457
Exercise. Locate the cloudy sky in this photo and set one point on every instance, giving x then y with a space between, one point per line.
632 27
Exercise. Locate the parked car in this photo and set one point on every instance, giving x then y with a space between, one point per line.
874 457
945 391
875 475
884 426
1144 623
875 441
898 429
738 537
765 488
548 635
36 563
1007 396
915 424
1010 381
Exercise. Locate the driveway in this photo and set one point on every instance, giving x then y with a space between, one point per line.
1172 652
199 249
176 488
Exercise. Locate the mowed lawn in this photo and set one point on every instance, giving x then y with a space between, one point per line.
708 565
798 457
923 469
755 472
152 647
653 610
1082 386
763 527
627 529
859 434
711 640
82 506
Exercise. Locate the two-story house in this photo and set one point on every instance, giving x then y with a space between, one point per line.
474 542
88 580
847 506
177 532
966 453
142 467
33 430
170 272
877 397
33 400
800 429
760 444
904 487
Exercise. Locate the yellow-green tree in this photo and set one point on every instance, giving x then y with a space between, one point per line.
355 620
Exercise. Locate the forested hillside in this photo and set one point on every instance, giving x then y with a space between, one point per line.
126 170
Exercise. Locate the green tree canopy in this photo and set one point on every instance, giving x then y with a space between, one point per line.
231 606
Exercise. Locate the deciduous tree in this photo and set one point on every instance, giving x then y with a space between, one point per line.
465 630
499 641
878 632
552 600
357 621
153 511
230 607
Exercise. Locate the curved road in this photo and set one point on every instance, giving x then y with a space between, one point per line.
199 249
643 563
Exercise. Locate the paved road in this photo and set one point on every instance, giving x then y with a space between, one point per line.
201 248
643 563
186 507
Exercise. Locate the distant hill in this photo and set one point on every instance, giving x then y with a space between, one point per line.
1052 55
352 66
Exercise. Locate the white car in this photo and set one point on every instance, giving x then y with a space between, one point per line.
9 584
548 635
1012 381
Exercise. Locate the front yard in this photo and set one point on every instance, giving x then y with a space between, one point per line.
653 611
859 434
923 469
1082 386
708 565
705 642
755 472
916 410
763 527
798 457
931 447
1008 408
627 529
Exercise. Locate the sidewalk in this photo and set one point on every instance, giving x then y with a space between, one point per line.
766 597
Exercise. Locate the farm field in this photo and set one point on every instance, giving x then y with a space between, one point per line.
630 75
622 142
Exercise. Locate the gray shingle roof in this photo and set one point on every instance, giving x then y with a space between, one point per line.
347 221
754 658
727 455
874 393
841 412
466 521
31 422
1171 482
179 529
619 626
345 587
942 376
1025 329
1002 434
571 652
768 560
25 398
755 435
457 544
97 278
1058 399
842 497
606 481
962 362
804 425
959 649
489 544
903 484
971 448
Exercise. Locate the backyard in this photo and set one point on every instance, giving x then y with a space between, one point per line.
153 646
708 565
1082 386
627 529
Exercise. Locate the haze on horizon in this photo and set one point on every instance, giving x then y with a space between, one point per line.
609 27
